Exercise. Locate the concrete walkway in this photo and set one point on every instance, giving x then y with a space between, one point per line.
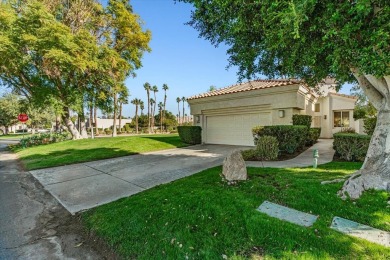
32 223
325 150
86 185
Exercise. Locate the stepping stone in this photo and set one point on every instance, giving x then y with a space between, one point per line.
287 214
361 231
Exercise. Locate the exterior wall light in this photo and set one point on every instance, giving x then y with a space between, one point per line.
197 119
281 113
324 116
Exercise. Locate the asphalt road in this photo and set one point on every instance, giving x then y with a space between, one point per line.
33 225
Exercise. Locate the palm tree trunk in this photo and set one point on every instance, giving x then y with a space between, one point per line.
136 119
178 108
165 102
183 112
148 113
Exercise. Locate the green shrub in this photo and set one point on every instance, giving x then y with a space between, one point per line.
348 130
302 120
44 138
267 148
190 134
291 138
108 131
351 147
313 135
249 155
369 125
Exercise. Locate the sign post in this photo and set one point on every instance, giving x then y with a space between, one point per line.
23 118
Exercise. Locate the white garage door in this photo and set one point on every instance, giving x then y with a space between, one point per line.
234 129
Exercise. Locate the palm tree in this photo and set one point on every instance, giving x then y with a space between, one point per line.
184 100
136 102
147 88
154 89
178 100
160 108
152 102
123 99
142 107
165 88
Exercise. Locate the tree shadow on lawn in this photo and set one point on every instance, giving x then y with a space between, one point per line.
173 140
71 156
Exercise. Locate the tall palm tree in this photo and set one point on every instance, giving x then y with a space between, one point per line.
160 108
136 102
152 103
165 88
147 87
122 99
178 100
154 89
142 107
184 100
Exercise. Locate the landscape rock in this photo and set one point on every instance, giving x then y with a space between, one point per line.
234 167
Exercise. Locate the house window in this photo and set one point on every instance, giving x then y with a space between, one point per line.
317 107
341 119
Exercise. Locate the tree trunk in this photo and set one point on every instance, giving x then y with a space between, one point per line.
83 127
69 124
115 115
148 113
91 120
120 116
375 172
165 102
58 120
178 108
95 120
183 113
136 119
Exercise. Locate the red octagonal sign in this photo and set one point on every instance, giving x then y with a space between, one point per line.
23 118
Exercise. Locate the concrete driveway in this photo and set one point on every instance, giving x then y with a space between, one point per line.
86 185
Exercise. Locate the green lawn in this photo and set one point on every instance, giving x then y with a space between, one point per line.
13 136
201 217
76 151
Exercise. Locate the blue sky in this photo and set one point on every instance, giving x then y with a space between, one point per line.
186 63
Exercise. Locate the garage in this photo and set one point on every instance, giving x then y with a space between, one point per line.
234 129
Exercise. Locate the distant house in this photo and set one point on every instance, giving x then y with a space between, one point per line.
107 123
228 115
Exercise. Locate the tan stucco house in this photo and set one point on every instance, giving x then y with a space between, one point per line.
228 115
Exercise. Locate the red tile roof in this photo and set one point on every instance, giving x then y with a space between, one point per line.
248 86
343 95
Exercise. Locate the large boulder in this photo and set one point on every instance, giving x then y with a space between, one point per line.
234 167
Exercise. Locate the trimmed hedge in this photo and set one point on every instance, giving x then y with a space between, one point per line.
302 120
291 138
351 147
190 134
267 148
313 135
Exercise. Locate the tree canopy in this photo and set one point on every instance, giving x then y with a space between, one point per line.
69 51
307 39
